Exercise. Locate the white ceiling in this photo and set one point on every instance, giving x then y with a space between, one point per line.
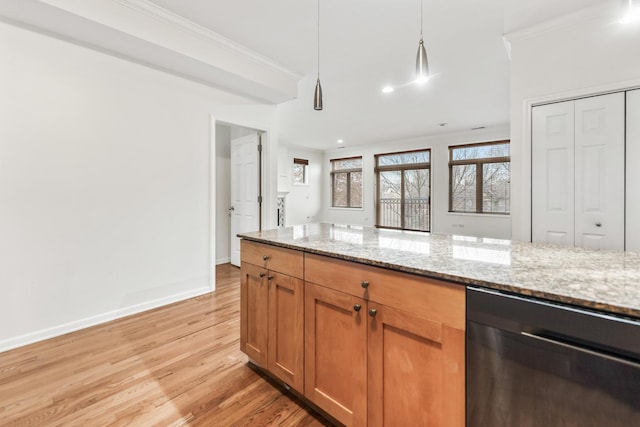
365 45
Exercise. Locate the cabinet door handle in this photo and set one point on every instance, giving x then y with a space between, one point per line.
262 274
270 277
265 257
357 307
365 284
373 312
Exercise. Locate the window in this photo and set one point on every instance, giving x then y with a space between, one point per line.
479 178
346 182
300 171
404 188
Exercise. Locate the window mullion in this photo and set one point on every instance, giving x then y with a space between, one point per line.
333 189
348 189
402 200
378 202
450 187
479 176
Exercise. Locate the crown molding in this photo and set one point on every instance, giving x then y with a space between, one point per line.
165 16
599 13
142 32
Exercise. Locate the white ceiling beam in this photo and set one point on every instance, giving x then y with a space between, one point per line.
142 31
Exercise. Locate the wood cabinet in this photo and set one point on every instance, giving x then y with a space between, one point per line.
336 353
376 347
272 310
415 370
383 348
254 306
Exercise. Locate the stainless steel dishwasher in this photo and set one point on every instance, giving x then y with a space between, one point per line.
535 363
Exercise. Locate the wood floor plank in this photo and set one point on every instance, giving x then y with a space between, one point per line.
177 365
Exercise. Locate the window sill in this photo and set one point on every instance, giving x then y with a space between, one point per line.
335 208
482 215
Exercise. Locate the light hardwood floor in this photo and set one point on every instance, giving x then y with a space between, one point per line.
178 365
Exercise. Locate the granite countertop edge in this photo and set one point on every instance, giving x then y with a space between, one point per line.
461 279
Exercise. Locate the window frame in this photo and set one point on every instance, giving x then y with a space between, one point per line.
401 168
305 163
479 164
333 172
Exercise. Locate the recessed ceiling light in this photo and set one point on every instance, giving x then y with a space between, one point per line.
387 89
422 80
340 141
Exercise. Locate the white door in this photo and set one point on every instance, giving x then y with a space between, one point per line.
552 173
633 171
599 168
245 185
577 188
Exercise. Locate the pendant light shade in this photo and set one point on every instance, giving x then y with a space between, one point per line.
317 94
422 64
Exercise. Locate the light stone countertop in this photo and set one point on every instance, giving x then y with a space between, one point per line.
602 280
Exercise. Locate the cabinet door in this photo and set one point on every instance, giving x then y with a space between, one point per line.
416 370
254 297
336 353
286 329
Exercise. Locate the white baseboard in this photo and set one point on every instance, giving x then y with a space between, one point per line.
76 325
223 261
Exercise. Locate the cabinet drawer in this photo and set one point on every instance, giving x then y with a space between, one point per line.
434 299
282 260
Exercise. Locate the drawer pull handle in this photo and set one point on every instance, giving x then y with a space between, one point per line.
270 277
262 274
365 284
357 307
265 257
373 312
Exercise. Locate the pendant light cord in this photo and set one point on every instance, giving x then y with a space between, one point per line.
318 39
421 4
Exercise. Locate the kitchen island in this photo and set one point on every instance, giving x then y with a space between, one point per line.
369 325
602 280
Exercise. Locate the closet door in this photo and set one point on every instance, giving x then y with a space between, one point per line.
633 171
599 172
552 173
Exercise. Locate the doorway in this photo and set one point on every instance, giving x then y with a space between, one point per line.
238 188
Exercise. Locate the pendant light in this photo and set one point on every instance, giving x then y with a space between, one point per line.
422 65
631 11
317 95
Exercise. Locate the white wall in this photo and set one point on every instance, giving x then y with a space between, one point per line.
632 196
498 226
284 172
585 53
303 204
223 194
105 183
